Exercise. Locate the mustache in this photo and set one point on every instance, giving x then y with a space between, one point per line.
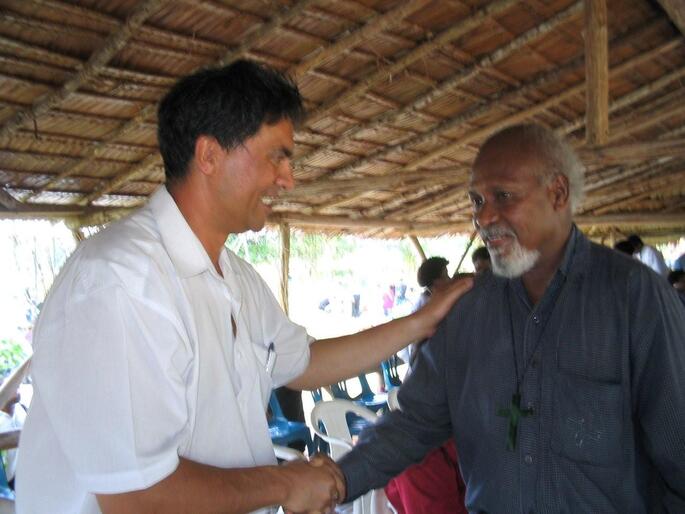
496 231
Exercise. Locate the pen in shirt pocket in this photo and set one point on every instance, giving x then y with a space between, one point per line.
270 358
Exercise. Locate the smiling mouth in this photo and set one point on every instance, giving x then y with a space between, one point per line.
497 240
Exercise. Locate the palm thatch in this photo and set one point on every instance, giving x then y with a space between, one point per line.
399 93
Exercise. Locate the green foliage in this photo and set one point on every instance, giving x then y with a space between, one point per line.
256 248
11 355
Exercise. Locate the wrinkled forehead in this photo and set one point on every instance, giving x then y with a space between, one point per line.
505 164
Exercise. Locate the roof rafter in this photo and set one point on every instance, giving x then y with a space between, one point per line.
98 59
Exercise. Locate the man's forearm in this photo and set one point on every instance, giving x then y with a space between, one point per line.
340 358
195 488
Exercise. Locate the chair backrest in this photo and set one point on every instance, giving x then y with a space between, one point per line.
275 406
332 415
391 375
317 394
393 402
339 391
366 388
289 454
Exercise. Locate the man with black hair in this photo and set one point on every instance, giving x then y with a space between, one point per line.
648 255
481 259
677 279
625 246
157 348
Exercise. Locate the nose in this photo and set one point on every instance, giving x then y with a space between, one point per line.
285 178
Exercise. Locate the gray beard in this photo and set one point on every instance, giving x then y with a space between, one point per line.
519 261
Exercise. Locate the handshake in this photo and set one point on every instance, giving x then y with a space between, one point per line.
313 487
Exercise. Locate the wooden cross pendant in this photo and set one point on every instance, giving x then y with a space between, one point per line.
514 413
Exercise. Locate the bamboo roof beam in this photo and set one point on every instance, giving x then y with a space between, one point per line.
46 57
596 72
376 24
95 150
7 200
144 33
443 38
644 188
633 152
368 183
97 61
447 85
97 216
406 199
676 12
154 159
136 170
518 116
526 114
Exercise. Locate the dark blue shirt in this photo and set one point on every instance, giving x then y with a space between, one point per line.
601 365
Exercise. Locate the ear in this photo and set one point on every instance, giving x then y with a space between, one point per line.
559 192
207 153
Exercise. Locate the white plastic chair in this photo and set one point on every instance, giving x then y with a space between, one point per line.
393 402
289 454
337 434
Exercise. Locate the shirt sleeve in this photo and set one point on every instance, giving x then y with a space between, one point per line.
291 341
658 349
111 372
401 439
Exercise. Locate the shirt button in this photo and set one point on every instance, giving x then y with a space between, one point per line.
536 320
528 459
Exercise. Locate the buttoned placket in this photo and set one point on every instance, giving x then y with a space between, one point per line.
529 436
530 445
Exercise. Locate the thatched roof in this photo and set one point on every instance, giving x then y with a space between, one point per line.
400 95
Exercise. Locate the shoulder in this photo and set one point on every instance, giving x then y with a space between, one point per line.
485 287
618 267
128 253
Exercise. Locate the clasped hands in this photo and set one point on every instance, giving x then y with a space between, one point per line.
316 486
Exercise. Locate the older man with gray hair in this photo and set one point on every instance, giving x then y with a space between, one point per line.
560 375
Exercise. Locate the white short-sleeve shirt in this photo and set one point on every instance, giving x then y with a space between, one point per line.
135 364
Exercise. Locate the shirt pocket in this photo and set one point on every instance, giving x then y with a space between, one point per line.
264 359
587 420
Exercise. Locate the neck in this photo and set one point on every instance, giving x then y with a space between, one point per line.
539 277
196 208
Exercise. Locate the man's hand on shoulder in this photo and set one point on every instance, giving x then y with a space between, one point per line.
441 301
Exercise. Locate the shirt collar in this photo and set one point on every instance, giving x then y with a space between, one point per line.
576 257
184 248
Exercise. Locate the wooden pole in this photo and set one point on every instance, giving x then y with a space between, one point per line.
285 263
417 246
466 250
596 72
7 200
676 11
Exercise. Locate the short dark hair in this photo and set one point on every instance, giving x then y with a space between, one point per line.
636 241
430 270
229 103
675 276
480 253
625 246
